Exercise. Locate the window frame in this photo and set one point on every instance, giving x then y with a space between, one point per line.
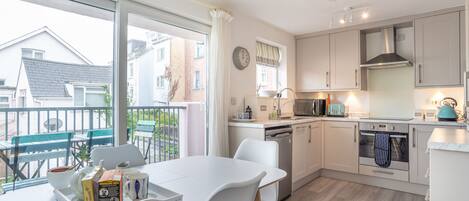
33 53
2 82
197 84
199 52
85 94
3 103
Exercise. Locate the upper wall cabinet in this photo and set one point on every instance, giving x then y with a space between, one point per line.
312 72
329 62
437 50
345 60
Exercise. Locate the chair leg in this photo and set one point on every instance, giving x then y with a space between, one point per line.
38 168
147 154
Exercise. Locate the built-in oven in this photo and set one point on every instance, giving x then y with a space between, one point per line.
399 140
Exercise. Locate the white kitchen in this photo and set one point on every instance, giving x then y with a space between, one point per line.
235 100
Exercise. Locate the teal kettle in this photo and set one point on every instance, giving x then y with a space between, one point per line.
447 112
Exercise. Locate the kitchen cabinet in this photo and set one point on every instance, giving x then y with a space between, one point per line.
437 50
307 150
312 71
341 146
345 60
419 159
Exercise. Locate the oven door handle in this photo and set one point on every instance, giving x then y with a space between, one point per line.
392 136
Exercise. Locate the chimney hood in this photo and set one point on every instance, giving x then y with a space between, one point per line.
389 58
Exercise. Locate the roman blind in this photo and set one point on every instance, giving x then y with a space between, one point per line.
267 55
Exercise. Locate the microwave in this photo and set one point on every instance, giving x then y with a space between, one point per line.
309 107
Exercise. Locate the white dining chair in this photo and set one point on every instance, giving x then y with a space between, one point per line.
263 152
112 156
242 191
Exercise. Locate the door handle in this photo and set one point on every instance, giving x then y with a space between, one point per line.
309 140
327 79
355 133
383 172
356 77
413 137
420 73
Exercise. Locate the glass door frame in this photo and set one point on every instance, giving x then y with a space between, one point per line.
123 9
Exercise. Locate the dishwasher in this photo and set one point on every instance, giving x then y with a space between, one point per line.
283 136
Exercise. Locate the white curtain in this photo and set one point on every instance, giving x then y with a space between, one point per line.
219 79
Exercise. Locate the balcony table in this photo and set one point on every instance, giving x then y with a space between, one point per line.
6 146
196 178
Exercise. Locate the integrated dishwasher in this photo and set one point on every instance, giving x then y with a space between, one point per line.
283 136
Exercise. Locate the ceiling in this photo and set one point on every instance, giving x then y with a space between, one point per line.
305 16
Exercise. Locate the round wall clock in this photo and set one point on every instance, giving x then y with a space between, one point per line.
241 58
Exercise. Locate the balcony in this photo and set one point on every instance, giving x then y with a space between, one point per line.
168 140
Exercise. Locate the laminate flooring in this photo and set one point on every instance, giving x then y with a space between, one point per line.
326 189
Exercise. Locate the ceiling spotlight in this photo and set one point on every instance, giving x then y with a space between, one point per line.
342 21
365 15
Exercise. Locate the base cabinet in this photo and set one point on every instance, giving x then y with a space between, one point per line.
307 149
419 159
341 142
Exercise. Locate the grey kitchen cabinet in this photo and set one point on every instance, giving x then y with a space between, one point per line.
345 60
307 149
437 50
341 141
312 72
419 159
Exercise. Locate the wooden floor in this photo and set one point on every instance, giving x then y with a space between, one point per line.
325 189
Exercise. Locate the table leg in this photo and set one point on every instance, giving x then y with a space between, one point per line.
5 159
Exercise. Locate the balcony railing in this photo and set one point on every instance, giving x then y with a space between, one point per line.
159 145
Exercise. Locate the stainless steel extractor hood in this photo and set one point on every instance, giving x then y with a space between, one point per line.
389 58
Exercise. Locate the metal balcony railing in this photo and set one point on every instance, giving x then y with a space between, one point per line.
159 144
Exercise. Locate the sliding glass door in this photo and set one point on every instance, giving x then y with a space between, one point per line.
166 89
56 79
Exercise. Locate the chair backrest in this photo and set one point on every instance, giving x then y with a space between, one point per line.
245 191
146 126
263 152
42 142
112 156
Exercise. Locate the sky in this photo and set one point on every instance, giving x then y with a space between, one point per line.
92 37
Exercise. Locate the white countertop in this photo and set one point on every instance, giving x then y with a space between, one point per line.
274 123
449 139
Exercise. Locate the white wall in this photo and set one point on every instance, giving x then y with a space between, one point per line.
11 56
245 32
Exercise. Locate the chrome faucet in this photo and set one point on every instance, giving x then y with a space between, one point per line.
279 95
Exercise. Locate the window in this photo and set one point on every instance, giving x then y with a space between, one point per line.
199 50
160 54
2 82
197 81
22 98
89 96
267 67
160 82
267 78
4 102
32 53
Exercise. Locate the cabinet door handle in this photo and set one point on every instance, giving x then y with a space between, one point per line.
327 79
413 137
309 140
355 133
420 73
383 172
356 77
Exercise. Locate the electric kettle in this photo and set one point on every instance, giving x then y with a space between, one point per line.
447 112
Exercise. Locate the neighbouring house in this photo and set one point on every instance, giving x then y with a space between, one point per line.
40 44
43 83
147 63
